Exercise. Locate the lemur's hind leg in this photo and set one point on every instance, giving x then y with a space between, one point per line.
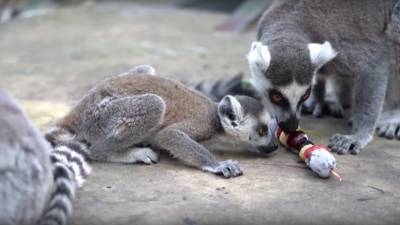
127 122
134 155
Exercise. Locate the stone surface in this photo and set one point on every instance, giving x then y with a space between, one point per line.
57 57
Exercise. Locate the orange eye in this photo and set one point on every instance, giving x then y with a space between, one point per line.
262 131
276 98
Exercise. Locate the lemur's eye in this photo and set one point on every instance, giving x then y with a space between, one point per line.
231 116
262 131
276 98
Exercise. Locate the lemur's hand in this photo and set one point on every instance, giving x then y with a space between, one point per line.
389 125
228 168
343 144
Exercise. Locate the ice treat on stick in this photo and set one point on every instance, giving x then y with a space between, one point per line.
317 157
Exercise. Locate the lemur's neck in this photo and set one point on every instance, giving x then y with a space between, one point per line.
216 121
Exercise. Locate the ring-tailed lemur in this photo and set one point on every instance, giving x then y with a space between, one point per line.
329 92
288 55
125 117
37 184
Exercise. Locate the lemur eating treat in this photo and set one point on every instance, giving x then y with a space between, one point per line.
317 157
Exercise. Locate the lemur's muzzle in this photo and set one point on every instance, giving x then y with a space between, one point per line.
268 149
290 125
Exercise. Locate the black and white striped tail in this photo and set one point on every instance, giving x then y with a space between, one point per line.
70 171
70 152
236 85
74 160
59 208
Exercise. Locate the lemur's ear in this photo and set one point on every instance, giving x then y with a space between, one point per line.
258 58
142 69
320 54
230 111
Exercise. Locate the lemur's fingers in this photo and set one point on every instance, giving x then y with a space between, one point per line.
228 168
342 144
225 172
389 125
235 169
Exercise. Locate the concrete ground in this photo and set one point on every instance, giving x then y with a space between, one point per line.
48 62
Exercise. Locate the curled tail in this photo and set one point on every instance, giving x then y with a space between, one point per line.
236 85
70 171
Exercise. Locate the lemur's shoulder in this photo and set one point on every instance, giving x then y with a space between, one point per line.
183 103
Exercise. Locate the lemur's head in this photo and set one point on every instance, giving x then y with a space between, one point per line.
247 124
283 75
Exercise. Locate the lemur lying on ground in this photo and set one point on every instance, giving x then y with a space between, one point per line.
37 184
125 117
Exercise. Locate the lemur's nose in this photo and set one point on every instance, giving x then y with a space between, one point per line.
290 125
268 149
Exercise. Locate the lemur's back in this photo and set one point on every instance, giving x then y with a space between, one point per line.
176 96
323 19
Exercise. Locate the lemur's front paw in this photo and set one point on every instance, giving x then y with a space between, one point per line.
145 155
343 144
389 125
228 168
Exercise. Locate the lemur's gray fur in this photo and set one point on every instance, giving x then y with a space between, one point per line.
299 38
37 185
329 95
389 123
125 117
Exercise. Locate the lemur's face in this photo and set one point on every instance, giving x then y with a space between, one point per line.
247 124
283 76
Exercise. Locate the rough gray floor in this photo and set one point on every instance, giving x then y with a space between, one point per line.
56 58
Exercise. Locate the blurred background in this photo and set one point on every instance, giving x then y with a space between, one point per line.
52 51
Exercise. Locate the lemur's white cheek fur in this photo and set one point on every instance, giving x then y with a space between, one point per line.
293 92
259 59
